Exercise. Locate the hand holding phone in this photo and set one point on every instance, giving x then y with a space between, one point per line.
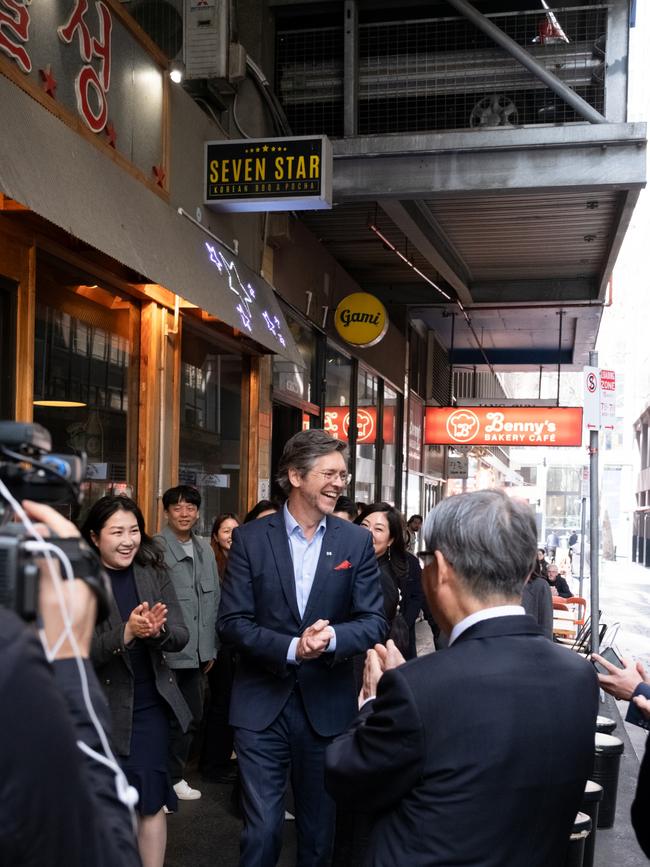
609 654
619 677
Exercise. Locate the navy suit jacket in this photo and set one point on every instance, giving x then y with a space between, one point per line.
259 616
459 755
641 805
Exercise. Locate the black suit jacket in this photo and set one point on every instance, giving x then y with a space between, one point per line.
259 616
459 757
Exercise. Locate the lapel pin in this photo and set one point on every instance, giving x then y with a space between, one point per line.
328 553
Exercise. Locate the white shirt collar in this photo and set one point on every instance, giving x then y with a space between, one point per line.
483 614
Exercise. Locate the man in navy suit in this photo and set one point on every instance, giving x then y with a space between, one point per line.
301 597
476 755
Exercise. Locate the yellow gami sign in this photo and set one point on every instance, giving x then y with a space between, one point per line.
361 319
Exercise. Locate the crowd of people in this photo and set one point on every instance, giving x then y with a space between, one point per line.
299 623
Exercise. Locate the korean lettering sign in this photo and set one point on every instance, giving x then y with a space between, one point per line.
86 61
512 426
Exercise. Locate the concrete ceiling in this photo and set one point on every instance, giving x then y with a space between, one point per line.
517 226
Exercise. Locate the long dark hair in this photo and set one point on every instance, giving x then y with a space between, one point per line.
219 554
149 554
397 550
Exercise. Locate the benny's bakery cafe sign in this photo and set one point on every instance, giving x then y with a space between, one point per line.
274 174
513 426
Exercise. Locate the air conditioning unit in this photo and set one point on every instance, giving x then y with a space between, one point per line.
196 32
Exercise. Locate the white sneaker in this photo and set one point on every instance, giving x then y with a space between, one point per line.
185 792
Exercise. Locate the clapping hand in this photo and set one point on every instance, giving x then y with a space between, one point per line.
378 660
145 622
314 640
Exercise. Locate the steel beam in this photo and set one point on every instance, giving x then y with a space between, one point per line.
420 228
616 69
622 224
526 59
350 68
412 166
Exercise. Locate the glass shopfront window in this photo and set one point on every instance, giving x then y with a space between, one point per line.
389 445
366 447
292 379
210 429
7 348
338 377
85 378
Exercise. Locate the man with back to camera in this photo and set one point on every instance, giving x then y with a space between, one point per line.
193 570
457 744
301 597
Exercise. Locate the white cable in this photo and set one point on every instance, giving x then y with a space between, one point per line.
126 793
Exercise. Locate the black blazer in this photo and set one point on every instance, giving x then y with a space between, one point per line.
259 616
457 754
111 659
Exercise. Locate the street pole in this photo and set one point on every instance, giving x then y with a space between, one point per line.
594 533
583 523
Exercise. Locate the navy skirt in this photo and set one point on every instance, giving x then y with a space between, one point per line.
146 765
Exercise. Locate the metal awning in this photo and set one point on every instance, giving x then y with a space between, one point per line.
56 173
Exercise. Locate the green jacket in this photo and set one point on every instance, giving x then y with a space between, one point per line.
198 599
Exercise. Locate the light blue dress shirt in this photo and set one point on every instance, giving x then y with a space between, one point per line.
304 556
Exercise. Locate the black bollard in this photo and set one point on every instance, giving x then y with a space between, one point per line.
607 760
590 805
605 725
579 835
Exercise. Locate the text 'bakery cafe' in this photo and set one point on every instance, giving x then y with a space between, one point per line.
521 426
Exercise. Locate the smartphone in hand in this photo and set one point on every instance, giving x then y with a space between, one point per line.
611 656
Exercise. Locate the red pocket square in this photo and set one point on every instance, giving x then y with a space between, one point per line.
344 565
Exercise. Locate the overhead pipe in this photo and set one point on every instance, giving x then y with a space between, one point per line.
523 57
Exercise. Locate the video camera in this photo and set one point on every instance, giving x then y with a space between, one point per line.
31 472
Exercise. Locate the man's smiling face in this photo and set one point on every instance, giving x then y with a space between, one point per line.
319 489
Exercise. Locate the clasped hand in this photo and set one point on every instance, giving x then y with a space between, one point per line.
145 622
314 640
379 659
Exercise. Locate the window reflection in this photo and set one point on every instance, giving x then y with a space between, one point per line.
210 430
292 378
84 372
366 448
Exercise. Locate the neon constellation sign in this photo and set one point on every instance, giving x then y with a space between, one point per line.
245 292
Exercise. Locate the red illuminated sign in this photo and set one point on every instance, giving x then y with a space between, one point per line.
337 423
503 425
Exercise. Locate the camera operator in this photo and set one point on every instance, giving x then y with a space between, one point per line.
58 806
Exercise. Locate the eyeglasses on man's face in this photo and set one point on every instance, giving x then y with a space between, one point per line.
335 476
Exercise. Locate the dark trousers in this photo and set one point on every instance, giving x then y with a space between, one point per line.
289 747
191 684
218 734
